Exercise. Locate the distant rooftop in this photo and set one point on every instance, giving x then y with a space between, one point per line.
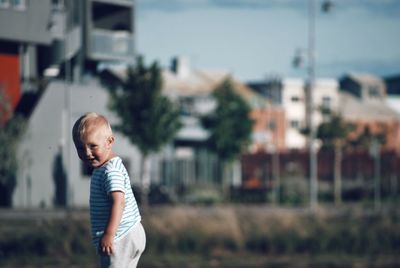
182 80
193 83
352 108
364 78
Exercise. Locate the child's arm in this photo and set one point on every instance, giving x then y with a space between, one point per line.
117 207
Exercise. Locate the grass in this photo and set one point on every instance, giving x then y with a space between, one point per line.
218 236
268 261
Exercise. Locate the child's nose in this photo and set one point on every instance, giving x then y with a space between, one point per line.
87 151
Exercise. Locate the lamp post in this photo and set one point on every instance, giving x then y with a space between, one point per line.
310 105
309 93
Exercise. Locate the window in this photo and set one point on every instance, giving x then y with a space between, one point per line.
187 106
295 99
111 17
272 124
373 92
326 102
295 124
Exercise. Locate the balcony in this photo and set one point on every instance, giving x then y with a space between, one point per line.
111 45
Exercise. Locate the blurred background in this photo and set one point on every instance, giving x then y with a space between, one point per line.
257 133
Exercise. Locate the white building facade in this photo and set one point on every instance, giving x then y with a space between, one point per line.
293 100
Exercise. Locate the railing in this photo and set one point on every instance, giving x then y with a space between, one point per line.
112 45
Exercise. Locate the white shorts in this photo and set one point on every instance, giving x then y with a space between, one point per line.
127 251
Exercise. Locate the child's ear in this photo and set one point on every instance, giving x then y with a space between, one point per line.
110 140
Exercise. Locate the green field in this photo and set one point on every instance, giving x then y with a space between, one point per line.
214 236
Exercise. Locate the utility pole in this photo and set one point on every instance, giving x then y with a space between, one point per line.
309 97
310 84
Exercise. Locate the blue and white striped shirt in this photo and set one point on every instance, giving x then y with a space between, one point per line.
106 179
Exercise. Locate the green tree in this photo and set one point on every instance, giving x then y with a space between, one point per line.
148 118
229 125
372 142
334 134
11 130
366 138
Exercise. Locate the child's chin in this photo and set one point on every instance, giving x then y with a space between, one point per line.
93 164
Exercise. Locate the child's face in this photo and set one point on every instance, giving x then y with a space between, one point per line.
95 147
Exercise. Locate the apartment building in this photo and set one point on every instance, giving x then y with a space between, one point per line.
289 94
62 38
52 50
23 30
363 102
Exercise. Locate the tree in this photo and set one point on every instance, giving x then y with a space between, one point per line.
372 141
11 130
333 134
149 119
10 134
229 125
366 138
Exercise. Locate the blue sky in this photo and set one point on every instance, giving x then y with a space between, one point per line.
255 39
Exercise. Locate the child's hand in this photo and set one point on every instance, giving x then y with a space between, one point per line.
106 245
117 207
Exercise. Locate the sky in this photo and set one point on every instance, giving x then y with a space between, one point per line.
257 39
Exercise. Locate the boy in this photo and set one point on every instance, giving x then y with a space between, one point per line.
114 215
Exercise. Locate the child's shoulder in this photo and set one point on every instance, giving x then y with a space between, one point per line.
114 163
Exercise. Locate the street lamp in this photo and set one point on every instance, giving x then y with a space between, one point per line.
310 105
309 88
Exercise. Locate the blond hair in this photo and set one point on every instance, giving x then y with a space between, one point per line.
88 121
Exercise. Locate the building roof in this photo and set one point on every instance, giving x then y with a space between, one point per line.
364 78
200 82
196 82
353 109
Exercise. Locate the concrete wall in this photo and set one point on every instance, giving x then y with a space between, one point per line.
49 135
38 150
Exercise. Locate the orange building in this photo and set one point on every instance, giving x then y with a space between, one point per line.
269 129
9 84
363 103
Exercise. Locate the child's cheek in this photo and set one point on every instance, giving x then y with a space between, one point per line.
80 155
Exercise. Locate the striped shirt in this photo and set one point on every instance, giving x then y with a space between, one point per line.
106 179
